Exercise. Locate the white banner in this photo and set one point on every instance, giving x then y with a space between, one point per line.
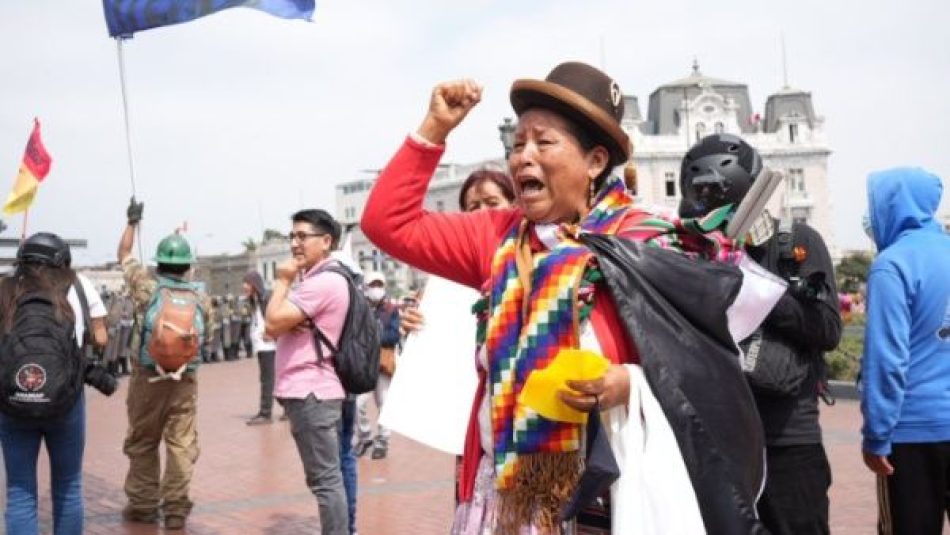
431 394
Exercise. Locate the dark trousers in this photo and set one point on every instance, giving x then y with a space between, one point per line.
795 499
915 498
246 340
348 458
265 361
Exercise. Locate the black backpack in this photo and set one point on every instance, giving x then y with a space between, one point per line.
41 366
357 358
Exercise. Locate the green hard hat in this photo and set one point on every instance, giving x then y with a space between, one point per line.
173 249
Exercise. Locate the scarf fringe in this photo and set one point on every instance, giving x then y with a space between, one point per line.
543 483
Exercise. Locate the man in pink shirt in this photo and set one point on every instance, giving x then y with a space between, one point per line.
307 387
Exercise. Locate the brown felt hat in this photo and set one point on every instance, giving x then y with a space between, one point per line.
583 94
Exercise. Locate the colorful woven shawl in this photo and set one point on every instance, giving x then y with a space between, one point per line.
533 315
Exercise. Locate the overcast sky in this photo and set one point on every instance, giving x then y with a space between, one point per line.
240 118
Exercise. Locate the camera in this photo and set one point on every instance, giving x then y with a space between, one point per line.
810 288
99 378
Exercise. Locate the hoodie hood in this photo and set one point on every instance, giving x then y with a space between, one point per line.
900 200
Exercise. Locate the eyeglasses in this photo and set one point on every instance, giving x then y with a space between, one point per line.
300 235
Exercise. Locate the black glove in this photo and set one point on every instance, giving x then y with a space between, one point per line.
809 289
134 212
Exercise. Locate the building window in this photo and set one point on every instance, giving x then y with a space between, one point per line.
719 128
439 206
670 184
796 181
800 215
700 131
792 132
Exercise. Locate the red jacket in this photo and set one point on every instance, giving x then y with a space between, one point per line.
460 247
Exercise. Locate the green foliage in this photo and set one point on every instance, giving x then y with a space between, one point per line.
271 235
249 245
845 361
853 270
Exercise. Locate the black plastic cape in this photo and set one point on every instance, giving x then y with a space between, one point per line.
674 310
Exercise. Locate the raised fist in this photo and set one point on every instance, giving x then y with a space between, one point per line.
449 104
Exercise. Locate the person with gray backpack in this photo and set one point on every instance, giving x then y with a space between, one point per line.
171 316
48 313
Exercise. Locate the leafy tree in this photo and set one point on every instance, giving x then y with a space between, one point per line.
271 235
853 270
249 245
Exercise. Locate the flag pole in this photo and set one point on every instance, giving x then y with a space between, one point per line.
128 132
26 213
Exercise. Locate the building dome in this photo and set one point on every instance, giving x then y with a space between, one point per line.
788 103
666 100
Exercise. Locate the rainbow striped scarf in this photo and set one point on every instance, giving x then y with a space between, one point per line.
534 314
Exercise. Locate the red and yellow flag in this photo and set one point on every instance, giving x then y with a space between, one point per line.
33 170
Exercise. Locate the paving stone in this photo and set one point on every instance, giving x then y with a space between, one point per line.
249 480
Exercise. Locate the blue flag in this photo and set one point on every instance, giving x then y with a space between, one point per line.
125 17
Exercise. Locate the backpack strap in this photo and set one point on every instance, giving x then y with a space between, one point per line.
86 318
785 244
334 266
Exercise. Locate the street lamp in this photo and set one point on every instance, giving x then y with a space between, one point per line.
507 130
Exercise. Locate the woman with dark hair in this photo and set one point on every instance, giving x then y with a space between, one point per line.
43 268
261 345
486 188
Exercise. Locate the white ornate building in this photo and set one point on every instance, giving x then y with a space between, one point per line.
789 135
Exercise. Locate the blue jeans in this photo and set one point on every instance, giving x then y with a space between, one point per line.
65 439
348 458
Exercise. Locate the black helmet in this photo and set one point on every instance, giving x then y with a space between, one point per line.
44 248
718 170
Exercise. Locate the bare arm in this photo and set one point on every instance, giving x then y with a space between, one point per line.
125 243
99 335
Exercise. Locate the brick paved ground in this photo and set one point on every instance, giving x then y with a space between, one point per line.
249 480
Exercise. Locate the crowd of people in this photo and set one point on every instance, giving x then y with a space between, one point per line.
705 420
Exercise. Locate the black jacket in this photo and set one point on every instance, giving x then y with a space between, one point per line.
810 326
673 310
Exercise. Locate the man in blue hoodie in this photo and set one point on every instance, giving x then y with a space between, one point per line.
905 370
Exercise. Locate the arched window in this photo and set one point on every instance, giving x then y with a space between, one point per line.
792 132
719 128
700 131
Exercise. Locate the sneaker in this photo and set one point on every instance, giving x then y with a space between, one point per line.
260 419
130 514
174 522
361 448
379 452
